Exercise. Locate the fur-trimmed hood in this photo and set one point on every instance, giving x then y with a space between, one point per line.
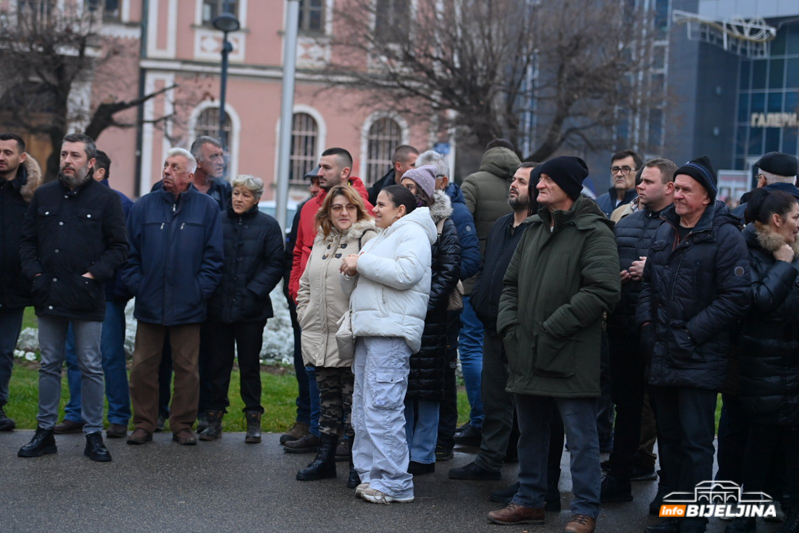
770 241
34 179
442 208
355 231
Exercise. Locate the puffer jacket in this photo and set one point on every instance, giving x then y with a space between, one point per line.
393 288
322 300
557 287
634 235
486 193
769 340
426 379
15 195
253 266
694 293
467 234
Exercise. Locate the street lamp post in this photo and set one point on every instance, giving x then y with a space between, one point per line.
286 110
226 23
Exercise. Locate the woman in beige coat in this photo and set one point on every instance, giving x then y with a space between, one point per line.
344 226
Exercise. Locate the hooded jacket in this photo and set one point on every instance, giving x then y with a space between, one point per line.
426 379
769 340
322 300
15 195
486 193
557 287
393 282
306 232
607 201
694 293
253 266
467 233
387 179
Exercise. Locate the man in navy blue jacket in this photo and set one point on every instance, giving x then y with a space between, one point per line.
174 267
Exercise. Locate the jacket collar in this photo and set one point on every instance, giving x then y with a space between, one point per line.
20 179
628 196
584 214
251 212
758 235
80 188
716 214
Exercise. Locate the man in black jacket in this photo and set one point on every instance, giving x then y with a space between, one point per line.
19 178
696 288
634 236
497 404
402 161
73 240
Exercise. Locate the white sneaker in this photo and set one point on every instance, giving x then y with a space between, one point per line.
360 488
375 496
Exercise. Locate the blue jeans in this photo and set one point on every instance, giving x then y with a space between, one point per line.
52 343
470 349
421 429
313 398
579 421
10 326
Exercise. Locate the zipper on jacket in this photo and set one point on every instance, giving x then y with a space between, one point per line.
162 225
174 208
182 225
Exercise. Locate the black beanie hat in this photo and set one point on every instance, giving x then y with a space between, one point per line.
701 169
568 172
778 163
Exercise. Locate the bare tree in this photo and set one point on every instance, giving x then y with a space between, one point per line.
56 63
562 73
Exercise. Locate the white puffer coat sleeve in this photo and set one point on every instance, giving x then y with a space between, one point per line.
390 299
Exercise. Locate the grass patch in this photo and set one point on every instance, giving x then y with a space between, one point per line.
29 319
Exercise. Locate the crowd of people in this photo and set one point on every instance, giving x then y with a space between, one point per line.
565 312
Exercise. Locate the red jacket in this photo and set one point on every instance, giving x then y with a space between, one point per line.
306 232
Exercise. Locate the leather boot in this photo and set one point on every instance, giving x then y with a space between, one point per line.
353 480
43 442
253 427
95 448
6 424
325 463
213 430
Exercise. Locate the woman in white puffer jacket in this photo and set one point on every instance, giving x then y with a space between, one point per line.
389 306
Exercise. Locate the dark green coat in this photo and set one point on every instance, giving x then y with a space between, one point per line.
558 285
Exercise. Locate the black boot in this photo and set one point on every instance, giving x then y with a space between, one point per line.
325 463
95 448
6 424
213 430
553 492
615 490
253 427
353 479
43 442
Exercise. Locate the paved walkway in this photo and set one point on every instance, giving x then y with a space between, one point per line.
229 486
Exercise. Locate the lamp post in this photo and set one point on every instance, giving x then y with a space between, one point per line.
286 110
226 23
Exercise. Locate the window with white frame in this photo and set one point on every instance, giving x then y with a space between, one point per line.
384 136
312 16
304 142
214 8
392 20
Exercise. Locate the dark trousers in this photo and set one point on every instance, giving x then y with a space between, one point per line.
303 400
734 426
686 429
448 407
205 365
771 449
604 413
497 406
165 379
628 389
224 341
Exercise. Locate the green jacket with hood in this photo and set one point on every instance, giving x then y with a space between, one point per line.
558 285
486 194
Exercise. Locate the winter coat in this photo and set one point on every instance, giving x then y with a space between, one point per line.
625 210
115 289
467 236
219 191
67 233
306 232
500 245
322 300
428 365
253 266
176 256
607 201
486 193
769 340
557 287
393 287
790 188
15 195
288 254
634 235
694 293
389 178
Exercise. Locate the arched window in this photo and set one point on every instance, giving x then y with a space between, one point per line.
208 124
304 139
385 135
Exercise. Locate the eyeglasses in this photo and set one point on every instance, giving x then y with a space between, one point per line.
339 208
624 170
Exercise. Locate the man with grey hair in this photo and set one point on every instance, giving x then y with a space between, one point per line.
777 172
175 265
209 176
73 240
470 264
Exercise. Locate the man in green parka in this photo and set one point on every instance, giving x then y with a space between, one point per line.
563 276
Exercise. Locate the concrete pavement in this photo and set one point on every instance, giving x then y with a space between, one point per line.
227 485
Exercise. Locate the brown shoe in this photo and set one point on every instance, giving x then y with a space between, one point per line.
184 437
68 426
116 431
580 523
517 514
297 431
140 436
308 444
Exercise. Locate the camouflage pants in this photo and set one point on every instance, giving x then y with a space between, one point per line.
335 400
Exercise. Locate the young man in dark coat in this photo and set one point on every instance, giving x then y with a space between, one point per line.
695 291
19 177
73 241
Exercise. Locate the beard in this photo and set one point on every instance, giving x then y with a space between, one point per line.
520 203
81 176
